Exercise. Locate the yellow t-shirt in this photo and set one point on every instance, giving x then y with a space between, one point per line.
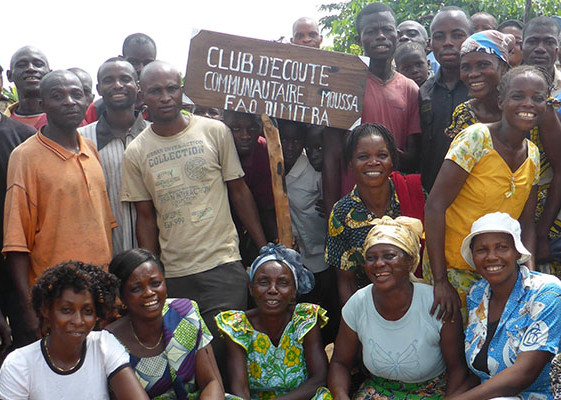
491 186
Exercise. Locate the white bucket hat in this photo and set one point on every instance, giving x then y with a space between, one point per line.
495 222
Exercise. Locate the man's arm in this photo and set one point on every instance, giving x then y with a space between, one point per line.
550 135
146 226
19 264
246 210
528 226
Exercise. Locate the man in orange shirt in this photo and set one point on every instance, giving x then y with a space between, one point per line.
56 205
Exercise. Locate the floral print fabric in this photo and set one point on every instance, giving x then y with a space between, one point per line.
273 371
349 223
377 388
531 321
464 116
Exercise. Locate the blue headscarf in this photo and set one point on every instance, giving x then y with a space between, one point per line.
303 278
489 42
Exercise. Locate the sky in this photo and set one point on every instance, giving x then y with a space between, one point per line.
84 34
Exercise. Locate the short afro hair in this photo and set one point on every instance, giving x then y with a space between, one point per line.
372 8
140 38
446 9
78 276
544 21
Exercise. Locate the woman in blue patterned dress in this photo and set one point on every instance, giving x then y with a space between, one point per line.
167 339
514 315
275 350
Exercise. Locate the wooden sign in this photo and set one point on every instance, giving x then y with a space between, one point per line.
281 80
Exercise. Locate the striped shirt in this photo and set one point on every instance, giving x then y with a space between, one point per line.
111 148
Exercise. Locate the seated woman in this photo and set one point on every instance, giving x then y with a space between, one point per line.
514 314
407 351
370 152
485 58
488 168
275 350
70 362
167 340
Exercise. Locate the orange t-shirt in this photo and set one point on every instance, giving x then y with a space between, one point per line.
56 205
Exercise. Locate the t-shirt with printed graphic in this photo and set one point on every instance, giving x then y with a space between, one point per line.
406 350
185 176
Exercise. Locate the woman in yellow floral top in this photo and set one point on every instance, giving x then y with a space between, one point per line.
488 168
484 62
275 350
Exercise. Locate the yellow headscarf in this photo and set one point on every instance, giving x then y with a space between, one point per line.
402 232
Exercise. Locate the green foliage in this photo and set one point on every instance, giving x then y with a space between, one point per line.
340 23
10 93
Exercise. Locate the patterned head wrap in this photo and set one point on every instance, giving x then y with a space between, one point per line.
402 232
303 278
489 42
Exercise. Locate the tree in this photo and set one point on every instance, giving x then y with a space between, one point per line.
340 24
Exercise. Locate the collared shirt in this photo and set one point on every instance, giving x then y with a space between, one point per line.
111 146
530 321
56 205
436 105
303 184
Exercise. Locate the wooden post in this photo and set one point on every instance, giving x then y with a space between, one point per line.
276 163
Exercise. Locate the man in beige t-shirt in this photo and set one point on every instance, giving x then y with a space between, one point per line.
179 173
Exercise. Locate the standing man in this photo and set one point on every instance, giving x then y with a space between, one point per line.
412 31
12 133
390 99
441 94
140 50
305 32
115 129
483 21
540 46
56 203
27 66
179 173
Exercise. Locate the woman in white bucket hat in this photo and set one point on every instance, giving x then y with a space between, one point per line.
514 325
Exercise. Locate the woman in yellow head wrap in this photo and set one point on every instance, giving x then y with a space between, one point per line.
406 350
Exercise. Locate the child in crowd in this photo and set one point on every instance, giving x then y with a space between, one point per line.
208 112
313 143
411 60
251 146
514 28
308 216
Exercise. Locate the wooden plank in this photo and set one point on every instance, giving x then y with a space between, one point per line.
281 80
276 163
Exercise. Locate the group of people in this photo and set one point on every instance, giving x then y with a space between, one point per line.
139 229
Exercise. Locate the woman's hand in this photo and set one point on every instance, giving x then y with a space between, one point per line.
446 300
126 386
339 377
207 375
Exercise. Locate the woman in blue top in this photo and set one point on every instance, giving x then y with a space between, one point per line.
514 314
